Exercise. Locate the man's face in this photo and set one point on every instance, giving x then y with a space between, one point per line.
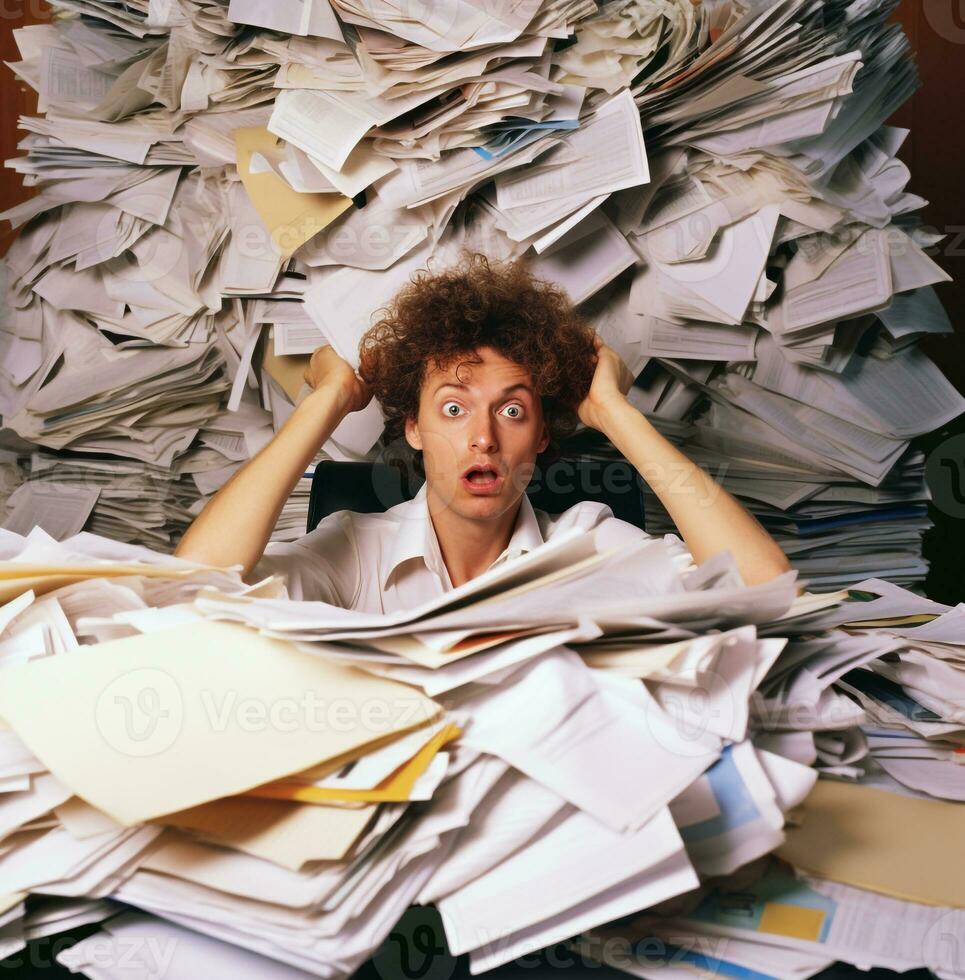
489 414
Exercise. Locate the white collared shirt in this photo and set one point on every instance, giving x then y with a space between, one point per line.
384 562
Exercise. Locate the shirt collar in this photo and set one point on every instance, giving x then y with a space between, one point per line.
416 536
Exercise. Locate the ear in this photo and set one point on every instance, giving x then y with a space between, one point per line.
544 439
412 436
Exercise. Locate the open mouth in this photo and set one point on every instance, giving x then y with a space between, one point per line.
482 479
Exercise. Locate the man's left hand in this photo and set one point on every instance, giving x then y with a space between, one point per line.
611 382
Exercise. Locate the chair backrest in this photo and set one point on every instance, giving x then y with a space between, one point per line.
372 487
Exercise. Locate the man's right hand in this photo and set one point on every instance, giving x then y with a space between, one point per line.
236 525
327 370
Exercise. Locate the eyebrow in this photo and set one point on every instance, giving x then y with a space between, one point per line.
502 394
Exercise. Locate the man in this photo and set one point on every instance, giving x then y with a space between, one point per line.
483 368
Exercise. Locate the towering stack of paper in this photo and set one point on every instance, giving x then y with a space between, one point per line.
224 186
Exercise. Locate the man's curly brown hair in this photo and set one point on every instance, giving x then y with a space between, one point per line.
438 317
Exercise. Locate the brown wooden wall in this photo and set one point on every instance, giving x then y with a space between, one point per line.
935 154
16 99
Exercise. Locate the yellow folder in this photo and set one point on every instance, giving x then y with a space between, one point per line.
396 788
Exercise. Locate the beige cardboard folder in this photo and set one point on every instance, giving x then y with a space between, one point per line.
19 577
291 217
151 724
886 842
290 834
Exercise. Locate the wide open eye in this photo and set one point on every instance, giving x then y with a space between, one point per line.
516 410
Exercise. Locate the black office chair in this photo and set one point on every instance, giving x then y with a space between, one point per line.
373 487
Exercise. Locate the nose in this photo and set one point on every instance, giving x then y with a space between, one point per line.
484 439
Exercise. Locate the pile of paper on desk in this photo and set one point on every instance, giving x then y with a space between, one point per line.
278 781
223 186
871 847
781 924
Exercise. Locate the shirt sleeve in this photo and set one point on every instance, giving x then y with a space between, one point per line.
614 532
321 566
